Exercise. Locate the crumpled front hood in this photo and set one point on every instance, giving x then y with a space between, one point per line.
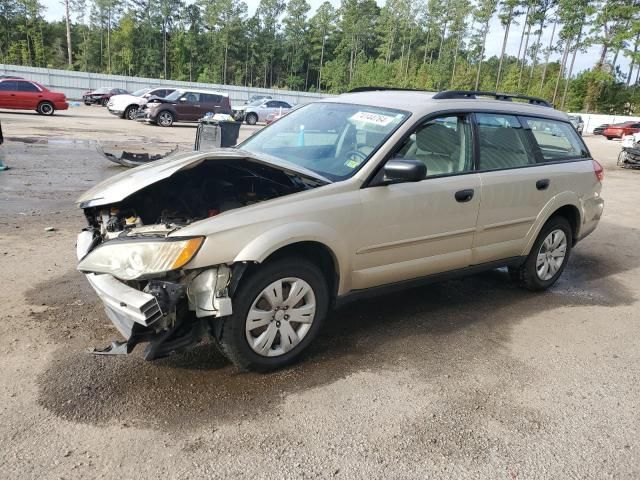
119 187
125 98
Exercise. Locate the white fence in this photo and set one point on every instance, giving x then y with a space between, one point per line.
74 84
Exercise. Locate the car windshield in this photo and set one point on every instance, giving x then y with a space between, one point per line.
102 90
142 91
174 96
331 139
255 103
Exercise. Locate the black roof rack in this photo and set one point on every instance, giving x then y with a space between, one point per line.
382 89
508 97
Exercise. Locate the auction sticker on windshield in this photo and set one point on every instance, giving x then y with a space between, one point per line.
373 118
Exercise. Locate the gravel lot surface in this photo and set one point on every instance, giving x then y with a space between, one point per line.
471 378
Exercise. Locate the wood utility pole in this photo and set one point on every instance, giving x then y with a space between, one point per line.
69 49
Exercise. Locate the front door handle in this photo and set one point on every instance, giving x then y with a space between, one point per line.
543 184
463 196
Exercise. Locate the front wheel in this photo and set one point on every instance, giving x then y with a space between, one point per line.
277 312
131 112
104 102
548 257
252 118
45 108
609 138
165 118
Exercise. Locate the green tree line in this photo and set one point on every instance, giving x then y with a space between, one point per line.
423 44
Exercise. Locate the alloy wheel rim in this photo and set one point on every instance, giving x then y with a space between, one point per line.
551 255
46 109
165 119
280 317
132 113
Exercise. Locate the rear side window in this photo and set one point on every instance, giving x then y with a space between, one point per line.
209 98
27 87
556 140
503 142
8 86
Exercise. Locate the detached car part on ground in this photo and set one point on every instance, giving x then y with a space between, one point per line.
255 245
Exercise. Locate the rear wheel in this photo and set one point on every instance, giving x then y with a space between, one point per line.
45 108
131 112
548 257
104 102
278 311
165 118
609 138
252 118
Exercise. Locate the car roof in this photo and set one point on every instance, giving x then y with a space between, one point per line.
201 90
421 103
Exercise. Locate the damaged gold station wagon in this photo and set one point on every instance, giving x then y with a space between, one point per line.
254 245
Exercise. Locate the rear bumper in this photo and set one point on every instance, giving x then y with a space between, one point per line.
592 209
61 106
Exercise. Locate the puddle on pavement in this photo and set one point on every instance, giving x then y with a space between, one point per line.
426 329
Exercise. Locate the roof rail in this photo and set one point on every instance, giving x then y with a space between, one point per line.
382 89
508 97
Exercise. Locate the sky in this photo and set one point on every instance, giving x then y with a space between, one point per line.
55 10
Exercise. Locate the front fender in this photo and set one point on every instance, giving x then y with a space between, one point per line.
259 249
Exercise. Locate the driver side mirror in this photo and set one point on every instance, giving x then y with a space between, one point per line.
399 170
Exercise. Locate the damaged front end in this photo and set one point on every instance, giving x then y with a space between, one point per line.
138 263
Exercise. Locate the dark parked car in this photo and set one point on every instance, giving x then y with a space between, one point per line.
184 105
18 94
102 95
599 130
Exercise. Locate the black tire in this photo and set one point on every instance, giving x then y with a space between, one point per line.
251 118
526 275
104 102
87 103
231 333
165 118
609 138
131 112
45 108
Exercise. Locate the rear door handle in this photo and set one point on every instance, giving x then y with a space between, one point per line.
463 196
543 184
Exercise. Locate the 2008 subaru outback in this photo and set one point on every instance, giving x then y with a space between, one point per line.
255 244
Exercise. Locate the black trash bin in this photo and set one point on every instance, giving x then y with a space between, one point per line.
216 133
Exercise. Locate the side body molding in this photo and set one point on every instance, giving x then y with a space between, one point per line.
259 249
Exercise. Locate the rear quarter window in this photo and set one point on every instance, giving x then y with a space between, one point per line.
556 140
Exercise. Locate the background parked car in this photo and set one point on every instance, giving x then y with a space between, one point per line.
259 110
577 122
253 98
101 95
619 130
599 130
126 106
184 105
22 94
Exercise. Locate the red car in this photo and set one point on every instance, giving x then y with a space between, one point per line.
20 94
102 95
619 130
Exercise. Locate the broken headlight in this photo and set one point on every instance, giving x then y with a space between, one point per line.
130 260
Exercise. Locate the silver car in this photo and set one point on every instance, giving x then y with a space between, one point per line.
259 110
254 245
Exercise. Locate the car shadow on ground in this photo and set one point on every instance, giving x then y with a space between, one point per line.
434 330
